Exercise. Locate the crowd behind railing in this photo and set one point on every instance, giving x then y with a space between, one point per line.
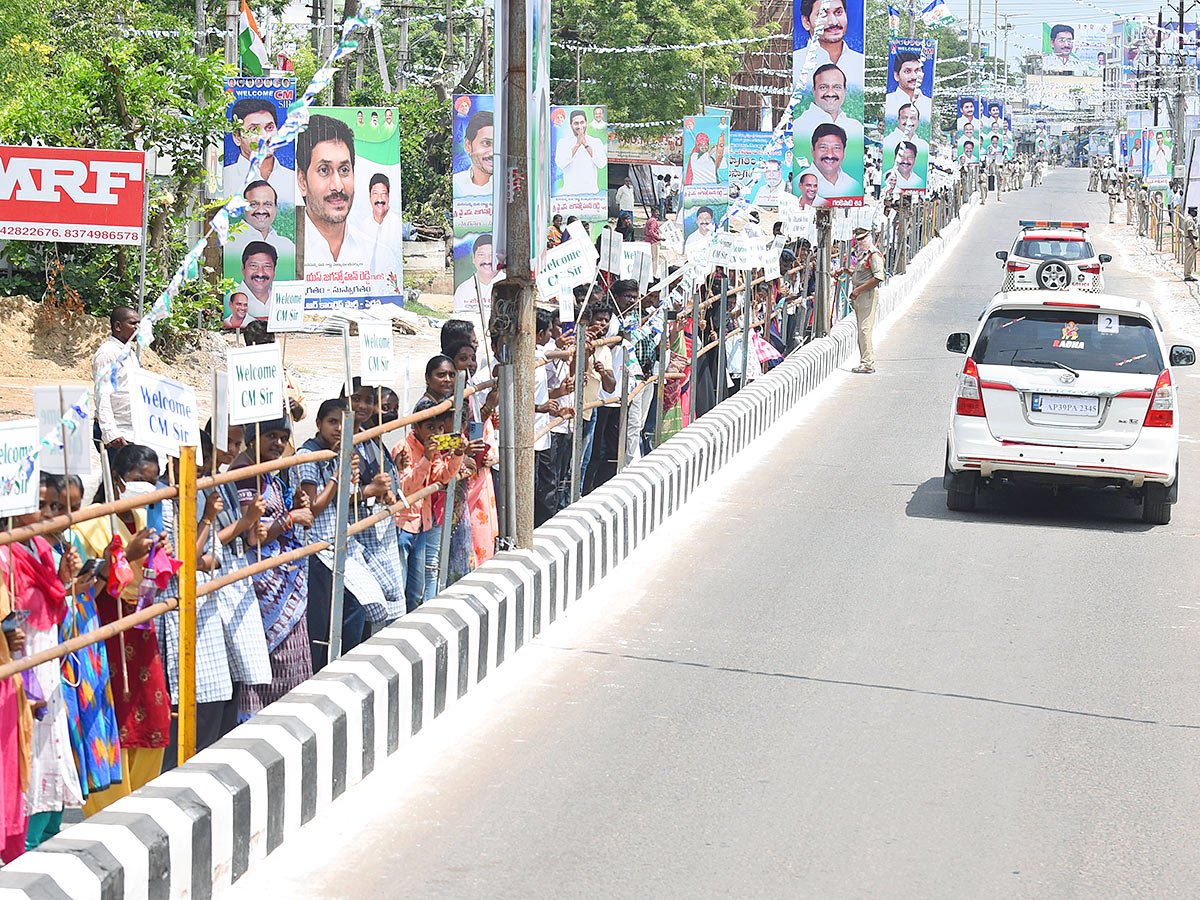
117 662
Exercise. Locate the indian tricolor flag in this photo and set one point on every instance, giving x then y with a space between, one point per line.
251 50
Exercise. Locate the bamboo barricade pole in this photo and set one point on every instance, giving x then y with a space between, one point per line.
578 426
186 733
623 416
337 592
747 302
663 350
721 375
692 392
460 382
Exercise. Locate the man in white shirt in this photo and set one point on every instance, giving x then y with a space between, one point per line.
325 176
831 45
705 160
829 93
829 150
808 181
258 277
906 130
766 192
910 72
1160 157
902 174
388 237
702 236
995 121
254 119
1061 57
468 297
113 427
261 211
625 197
966 112
478 144
580 157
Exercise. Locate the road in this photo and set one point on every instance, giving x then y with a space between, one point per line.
821 683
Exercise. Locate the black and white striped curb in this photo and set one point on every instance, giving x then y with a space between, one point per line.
192 832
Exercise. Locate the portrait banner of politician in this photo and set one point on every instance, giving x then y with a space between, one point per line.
705 178
755 171
1074 48
473 140
579 164
828 72
907 107
968 129
349 231
257 107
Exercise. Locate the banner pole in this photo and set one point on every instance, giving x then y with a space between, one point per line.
145 241
337 594
186 527
460 382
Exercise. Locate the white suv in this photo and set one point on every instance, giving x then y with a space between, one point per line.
1066 388
1053 256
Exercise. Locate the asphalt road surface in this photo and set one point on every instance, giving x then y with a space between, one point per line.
821 683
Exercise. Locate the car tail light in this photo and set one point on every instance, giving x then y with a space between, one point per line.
1016 266
970 394
1093 269
1161 413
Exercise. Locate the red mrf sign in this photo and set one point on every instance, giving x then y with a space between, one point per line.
67 194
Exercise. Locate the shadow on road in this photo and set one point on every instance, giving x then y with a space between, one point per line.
1039 507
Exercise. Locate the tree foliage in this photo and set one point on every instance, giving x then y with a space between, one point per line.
640 87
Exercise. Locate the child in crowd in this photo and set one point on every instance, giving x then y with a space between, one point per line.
318 481
427 465
135 666
38 582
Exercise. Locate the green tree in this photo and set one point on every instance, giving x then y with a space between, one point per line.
640 87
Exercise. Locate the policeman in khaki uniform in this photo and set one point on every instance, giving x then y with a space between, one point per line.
1114 196
865 279
1130 199
1143 201
983 183
1191 234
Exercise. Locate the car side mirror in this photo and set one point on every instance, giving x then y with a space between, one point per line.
1002 255
960 341
1105 257
1183 355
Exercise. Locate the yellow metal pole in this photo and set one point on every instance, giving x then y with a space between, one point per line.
187 604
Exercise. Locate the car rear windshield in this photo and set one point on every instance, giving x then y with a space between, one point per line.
1072 337
1049 248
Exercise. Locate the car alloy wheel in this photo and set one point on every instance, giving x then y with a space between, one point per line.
1053 275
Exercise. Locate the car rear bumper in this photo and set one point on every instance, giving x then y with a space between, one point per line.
1153 457
1024 281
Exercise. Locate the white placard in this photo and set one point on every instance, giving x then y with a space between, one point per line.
611 255
285 312
1108 323
165 413
376 353
771 264
18 438
731 251
566 308
220 415
48 411
571 263
255 384
636 263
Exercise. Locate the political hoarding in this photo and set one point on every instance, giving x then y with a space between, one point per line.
828 72
256 108
74 195
1134 152
968 128
906 113
579 164
1157 143
755 172
473 137
1074 48
705 178
348 208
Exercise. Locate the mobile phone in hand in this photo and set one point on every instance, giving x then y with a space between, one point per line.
475 431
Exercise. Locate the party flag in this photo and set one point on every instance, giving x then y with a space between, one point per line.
937 13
